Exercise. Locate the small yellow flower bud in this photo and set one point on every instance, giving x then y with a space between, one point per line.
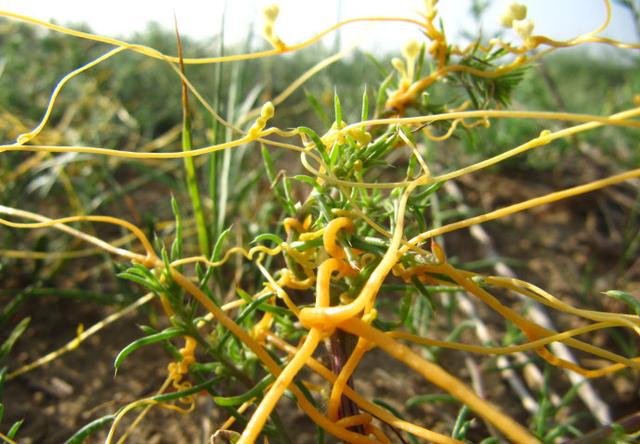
345 299
544 134
506 19
267 111
438 252
361 136
370 317
271 12
523 28
411 50
516 11
24 138
306 224
398 64
410 53
77 340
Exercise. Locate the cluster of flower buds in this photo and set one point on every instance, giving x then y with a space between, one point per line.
178 369
516 17
266 112
406 68
430 6
270 14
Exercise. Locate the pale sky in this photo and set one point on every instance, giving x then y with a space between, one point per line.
300 19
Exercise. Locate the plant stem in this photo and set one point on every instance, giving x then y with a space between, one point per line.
339 354
189 165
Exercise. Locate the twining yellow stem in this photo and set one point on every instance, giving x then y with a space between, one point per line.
340 383
259 417
545 138
296 84
144 413
145 402
521 206
59 224
529 290
534 331
73 344
580 40
267 360
378 433
330 233
151 260
256 423
229 422
416 153
355 420
531 329
249 254
438 376
73 254
277 288
331 316
135 154
150 52
618 119
532 345
24 138
323 282
370 407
